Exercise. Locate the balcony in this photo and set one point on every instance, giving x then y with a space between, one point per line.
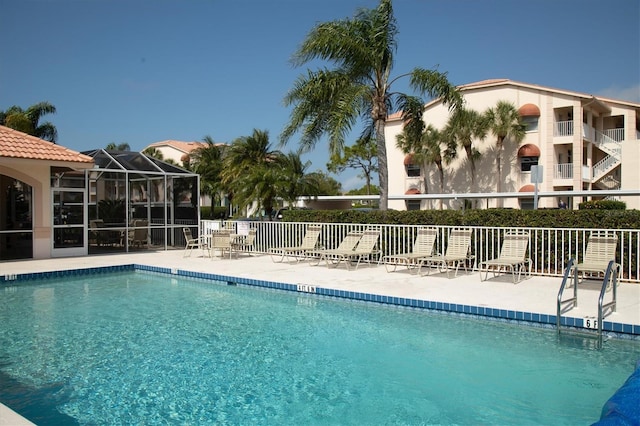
563 171
563 128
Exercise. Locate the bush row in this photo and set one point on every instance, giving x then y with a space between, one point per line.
586 218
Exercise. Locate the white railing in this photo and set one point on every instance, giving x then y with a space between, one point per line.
615 134
608 144
550 248
603 166
563 128
563 171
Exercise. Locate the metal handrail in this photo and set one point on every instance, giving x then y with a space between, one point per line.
605 283
574 299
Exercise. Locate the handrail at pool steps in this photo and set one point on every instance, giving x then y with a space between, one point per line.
610 280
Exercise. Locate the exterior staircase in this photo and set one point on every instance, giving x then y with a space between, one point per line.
600 171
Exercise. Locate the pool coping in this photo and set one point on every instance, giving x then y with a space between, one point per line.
612 329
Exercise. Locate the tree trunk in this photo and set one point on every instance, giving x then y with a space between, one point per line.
499 144
383 173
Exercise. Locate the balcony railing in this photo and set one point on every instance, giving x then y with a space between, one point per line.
550 248
615 134
563 128
563 171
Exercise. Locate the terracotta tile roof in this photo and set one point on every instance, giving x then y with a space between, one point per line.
15 144
179 145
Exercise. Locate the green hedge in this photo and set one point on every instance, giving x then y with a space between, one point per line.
602 205
587 218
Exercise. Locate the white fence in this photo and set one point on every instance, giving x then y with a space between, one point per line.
550 248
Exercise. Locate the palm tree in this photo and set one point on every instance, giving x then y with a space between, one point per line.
248 160
331 101
154 152
29 121
111 146
464 126
504 121
428 150
294 180
207 162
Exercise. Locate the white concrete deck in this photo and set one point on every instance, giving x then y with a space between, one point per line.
536 294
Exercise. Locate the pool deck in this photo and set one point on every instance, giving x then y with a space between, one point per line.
533 295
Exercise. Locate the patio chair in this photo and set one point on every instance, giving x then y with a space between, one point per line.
309 243
355 247
422 248
192 243
457 254
512 258
601 249
220 242
139 236
244 243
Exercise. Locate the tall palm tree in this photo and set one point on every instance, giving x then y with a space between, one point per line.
504 122
465 126
428 150
29 121
207 162
331 101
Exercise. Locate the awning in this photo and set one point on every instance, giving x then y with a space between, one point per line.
408 159
412 191
529 110
529 150
527 188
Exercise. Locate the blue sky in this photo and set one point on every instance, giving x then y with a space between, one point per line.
143 71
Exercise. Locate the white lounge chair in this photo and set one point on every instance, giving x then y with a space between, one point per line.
355 247
457 254
308 244
512 258
422 248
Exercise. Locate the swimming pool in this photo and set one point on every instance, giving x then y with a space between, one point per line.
136 347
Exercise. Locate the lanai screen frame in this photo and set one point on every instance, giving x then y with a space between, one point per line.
148 188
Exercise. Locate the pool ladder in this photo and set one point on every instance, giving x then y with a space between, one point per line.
610 278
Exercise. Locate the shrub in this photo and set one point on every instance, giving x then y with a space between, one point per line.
602 205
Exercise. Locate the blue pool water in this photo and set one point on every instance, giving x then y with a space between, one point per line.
141 348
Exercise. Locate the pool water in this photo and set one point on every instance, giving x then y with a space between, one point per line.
142 348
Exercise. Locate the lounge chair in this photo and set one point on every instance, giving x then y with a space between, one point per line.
457 254
512 258
192 243
355 247
244 243
601 249
309 243
422 248
221 242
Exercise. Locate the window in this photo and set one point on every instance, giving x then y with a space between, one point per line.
531 123
413 204
413 170
527 162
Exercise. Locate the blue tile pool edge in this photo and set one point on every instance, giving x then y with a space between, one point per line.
612 329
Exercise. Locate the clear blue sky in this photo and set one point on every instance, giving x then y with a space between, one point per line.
143 71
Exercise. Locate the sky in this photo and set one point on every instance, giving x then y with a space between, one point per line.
144 71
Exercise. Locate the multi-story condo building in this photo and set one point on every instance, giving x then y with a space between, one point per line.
578 141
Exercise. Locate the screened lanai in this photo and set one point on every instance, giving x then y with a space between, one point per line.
138 202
